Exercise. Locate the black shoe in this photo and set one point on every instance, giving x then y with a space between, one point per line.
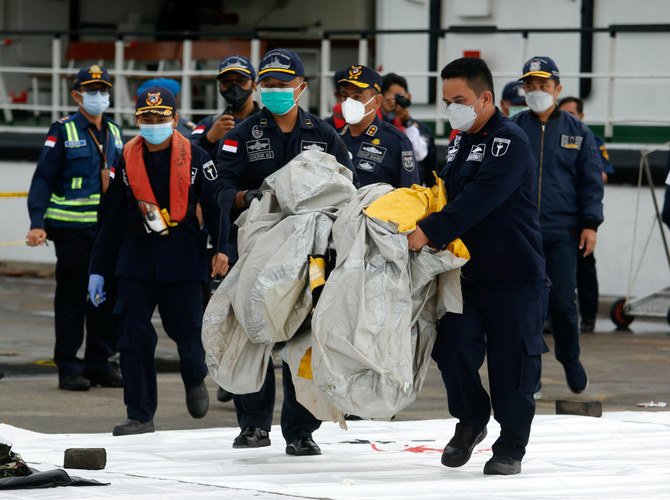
132 426
223 395
197 400
303 446
587 325
459 449
252 437
502 466
576 376
110 378
74 382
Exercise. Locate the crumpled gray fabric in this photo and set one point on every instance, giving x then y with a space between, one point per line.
265 297
374 326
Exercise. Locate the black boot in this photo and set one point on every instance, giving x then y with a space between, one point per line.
223 395
252 437
132 426
74 382
502 466
459 449
197 400
303 446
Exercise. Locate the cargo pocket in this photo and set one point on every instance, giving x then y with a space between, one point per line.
531 367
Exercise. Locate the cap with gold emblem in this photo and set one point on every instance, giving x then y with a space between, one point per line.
158 100
361 76
91 74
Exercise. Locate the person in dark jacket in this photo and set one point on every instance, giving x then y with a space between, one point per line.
587 274
150 222
237 82
380 152
491 193
256 148
395 110
568 171
71 176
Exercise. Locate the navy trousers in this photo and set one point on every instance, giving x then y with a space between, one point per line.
256 409
72 309
561 256
180 308
502 321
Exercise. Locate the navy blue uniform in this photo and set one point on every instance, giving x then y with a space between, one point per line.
63 200
569 172
254 149
429 164
154 270
491 193
382 153
198 136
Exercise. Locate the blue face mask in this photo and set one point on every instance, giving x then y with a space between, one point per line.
96 103
279 101
156 133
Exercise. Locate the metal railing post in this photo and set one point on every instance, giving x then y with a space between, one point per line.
121 94
609 127
524 48
55 77
255 52
187 62
363 50
325 69
439 121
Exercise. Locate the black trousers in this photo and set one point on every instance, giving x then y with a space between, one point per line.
180 308
72 309
256 409
502 321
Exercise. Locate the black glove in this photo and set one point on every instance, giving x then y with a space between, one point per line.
250 195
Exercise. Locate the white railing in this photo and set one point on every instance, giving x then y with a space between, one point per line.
124 102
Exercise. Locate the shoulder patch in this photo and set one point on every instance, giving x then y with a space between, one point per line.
571 141
408 160
209 169
499 146
51 141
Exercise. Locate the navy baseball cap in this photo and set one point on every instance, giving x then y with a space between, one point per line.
362 77
91 74
513 92
168 83
158 100
541 66
237 64
283 64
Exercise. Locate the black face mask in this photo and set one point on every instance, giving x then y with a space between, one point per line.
235 96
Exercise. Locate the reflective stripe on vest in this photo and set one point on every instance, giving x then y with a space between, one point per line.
70 216
94 199
118 141
71 131
77 182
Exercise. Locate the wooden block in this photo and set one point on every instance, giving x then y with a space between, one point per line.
85 458
584 408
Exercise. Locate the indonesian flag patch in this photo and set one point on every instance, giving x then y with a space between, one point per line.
112 172
198 130
230 145
51 141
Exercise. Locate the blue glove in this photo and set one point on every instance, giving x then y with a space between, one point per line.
96 293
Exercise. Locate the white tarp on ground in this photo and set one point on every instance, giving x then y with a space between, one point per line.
619 456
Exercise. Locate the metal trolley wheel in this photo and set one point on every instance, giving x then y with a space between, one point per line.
619 316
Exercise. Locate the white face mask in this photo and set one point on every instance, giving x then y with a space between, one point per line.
462 117
539 100
354 111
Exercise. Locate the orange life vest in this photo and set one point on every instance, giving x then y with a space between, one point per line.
180 174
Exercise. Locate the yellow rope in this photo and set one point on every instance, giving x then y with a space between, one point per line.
10 194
